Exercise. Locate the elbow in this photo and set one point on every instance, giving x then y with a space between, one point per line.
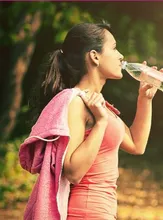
75 181
139 151
72 177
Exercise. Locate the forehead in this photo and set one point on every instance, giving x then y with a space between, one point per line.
109 40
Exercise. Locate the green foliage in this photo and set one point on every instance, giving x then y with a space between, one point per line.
137 40
58 15
67 17
15 183
142 40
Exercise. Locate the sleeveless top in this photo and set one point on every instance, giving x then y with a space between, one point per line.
95 196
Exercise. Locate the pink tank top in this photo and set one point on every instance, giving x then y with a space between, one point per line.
95 196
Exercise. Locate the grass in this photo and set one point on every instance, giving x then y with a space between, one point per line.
140 197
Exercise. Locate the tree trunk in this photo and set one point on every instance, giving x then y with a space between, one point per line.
20 59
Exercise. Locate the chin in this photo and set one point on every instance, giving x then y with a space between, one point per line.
115 75
119 76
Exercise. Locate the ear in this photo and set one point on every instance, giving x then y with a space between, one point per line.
95 57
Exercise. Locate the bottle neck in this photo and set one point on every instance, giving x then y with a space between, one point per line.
124 64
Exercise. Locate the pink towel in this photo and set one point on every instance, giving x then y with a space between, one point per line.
43 152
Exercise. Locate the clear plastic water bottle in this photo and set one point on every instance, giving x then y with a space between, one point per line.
144 73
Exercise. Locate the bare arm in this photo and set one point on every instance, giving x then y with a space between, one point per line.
136 137
82 153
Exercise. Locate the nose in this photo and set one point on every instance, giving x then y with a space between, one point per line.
121 56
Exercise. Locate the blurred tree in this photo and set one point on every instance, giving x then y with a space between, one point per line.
32 19
22 47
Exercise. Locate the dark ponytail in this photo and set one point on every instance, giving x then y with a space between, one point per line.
61 73
53 83
67 66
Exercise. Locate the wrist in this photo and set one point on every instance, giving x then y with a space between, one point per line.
143 98
143 101
102 122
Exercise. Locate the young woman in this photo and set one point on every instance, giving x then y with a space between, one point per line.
88 58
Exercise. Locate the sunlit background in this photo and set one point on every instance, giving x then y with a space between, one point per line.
30 30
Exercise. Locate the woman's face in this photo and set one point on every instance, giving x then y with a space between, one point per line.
110 58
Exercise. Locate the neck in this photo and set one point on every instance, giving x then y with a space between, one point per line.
94 84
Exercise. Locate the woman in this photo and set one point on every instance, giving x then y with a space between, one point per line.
90 163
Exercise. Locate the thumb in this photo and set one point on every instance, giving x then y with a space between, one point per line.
83 95
145 62
161 70
83 92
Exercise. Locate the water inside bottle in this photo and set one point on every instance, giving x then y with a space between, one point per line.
145 74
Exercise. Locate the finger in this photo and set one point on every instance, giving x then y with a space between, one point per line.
86 93
95 98
151 92
99 101
86 90
88 99
146 86
99 97
161 70
142 83
154 67
84 97
145 62
82 93
148 93
92 97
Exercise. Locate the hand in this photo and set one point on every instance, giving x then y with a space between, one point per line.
96 103
147 90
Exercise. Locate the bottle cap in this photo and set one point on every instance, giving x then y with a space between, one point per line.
124 63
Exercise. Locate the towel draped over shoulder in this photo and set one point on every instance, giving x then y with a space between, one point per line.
43 152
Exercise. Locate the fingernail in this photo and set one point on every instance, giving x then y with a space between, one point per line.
145 62
82 93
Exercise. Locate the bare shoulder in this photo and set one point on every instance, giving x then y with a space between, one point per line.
79 114
77 100
76 122
77 107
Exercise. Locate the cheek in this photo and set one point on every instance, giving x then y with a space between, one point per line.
108 69
109 66
112 71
